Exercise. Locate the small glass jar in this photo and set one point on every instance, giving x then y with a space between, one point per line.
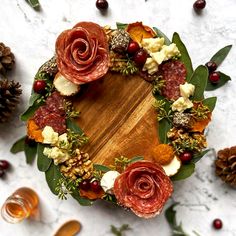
20 205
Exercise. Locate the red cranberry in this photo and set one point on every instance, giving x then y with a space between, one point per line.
214 77
217 224
2 173
4 165
133 47
140 57
40 86
102 4
211 65
85 185
199 5
186 157
95 186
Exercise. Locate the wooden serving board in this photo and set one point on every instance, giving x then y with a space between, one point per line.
117 115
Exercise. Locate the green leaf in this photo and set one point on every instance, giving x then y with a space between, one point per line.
163 127
121 25
198 157
34 3
18 146
161 34
33 98
219 57
185 58
101 168
199 79
210 102
82 201
31 110
119 231
135 159
223 80
30 153
184 172
170 215
43 162
72 125
53 175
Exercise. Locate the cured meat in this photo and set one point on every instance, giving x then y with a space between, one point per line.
174 73
82 53
52 114
144 188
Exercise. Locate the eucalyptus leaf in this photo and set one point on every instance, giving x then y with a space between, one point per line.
223 80
30 152
101 168
210 102
33 98
185 58
43 162
199 79
219 57
161 34
135 159
82 201
53 175
72 125
120 25
198 157
184 172
31 110
34 3
18 146
163 127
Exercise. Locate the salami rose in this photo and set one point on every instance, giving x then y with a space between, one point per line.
82 53
144 188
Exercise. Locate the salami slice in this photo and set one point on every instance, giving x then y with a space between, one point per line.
82 53
144 188
174 73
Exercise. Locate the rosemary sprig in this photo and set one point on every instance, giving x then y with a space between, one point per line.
161 111
70 110
158 84
200 112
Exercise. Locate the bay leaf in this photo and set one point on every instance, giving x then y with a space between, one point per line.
185 58
120 25
30 153
135 159
210 102
43 162
18 146
163 127
101 168
161 34
223 80
53 176
34 3
72 125
198 157
184 172
219 57
199 79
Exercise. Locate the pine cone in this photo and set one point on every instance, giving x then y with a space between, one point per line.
9 97
7 59
226 165
78 166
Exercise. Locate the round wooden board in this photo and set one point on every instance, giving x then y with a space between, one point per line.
117 115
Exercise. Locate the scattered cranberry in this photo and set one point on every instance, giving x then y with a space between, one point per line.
133 47
217 224
214 77
211 65
4 165
2 173
199 5
95 186
140 57
40 86
186 157
85 185
102 4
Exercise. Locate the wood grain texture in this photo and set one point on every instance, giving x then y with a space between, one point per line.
118 117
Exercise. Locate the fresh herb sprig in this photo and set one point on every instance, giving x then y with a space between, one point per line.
118 231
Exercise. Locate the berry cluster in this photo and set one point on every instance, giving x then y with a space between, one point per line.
88 185
214 76
4 166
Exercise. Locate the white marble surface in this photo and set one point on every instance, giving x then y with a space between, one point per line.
203 197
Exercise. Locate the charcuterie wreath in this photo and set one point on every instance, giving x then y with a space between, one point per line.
118 115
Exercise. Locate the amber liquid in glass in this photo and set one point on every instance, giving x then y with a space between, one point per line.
20 205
